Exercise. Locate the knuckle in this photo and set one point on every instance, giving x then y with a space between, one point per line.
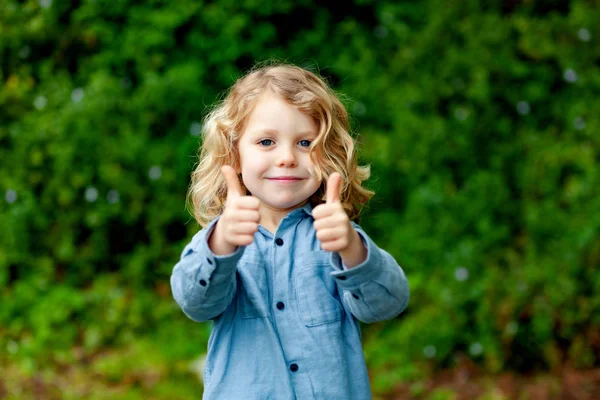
244 240
330 247
246 228
253 202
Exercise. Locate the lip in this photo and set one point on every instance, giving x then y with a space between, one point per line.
285 179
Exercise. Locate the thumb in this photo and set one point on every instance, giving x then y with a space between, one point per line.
234 189
333 188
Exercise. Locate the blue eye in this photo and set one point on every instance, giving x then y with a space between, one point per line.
266 142
304 143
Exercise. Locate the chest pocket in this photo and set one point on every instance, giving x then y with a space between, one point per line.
316 291
252 286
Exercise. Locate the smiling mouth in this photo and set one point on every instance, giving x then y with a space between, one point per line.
285 179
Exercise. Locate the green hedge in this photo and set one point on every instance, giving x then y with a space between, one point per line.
480 121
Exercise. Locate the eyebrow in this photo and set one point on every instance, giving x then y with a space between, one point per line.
275 132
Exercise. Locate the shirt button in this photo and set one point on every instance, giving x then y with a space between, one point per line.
279 242
202 282
280 305
294 367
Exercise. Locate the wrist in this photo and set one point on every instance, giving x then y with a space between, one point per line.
355 253
217 243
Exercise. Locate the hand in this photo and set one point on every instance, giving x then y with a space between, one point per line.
331 221
240 218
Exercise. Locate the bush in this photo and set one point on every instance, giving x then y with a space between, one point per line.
477 121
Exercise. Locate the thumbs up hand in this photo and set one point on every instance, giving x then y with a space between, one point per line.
240 218
333 226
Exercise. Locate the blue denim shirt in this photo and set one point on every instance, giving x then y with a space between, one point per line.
286 312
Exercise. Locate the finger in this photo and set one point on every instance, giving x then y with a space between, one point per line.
326 222
333 245
248 203
243 240
246 215
327 235
323 210
234 189
333 188
245 228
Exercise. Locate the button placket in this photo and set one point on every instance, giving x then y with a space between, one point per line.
279 305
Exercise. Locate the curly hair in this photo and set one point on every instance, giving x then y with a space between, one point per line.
332 151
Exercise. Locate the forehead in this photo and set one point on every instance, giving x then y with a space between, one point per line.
273 113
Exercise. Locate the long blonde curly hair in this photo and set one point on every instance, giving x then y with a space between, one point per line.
332 151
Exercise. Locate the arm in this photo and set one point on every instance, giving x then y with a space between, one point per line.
203 283
374 290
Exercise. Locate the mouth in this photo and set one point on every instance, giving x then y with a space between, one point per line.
285 179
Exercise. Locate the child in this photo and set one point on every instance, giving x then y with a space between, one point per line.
280 266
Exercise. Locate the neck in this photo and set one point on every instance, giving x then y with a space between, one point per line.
271 217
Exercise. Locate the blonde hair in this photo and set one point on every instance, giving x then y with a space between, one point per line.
332 151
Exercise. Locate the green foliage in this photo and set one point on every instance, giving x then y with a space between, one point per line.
477 119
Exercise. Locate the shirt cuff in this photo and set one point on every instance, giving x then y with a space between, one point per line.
216 268
368 270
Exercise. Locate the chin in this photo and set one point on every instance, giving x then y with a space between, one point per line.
285 204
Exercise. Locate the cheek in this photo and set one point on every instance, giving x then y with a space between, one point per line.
254 164
312 169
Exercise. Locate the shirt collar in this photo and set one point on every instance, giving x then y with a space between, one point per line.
299 212
302 212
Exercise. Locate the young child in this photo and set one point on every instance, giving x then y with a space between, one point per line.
280 266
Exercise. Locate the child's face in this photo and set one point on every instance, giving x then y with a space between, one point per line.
274 158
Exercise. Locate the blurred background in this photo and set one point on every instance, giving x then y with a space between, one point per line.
480 121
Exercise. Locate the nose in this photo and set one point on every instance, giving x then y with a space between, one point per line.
286 158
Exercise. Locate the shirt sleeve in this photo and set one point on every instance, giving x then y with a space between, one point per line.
203 283
376 289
